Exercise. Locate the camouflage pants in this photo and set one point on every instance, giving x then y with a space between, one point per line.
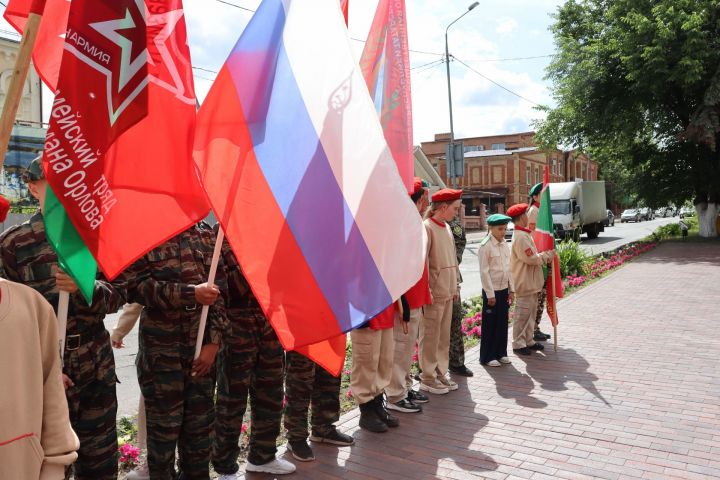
305 382
457 347
251 362
178 408
542 298
92 403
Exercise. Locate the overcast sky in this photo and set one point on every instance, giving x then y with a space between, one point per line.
496 29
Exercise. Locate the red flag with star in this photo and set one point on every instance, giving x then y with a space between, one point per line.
118 153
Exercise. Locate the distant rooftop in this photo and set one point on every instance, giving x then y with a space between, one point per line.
499 153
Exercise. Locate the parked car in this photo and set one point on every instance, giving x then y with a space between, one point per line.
660 212
610 220
646 213
630 215
687 212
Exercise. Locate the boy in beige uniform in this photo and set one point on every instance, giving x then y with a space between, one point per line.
434 345
528 279
497 293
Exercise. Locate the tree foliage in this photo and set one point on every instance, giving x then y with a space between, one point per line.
637 86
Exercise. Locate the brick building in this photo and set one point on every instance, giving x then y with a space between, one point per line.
501 169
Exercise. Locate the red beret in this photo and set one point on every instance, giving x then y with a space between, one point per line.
517 210
417 185
447 195
4 208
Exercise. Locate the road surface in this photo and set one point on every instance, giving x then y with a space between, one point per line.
612 238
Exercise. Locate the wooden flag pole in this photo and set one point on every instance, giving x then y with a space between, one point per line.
63 305
211 281
18 78
554 320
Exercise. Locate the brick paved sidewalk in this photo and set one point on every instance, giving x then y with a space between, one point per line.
633 392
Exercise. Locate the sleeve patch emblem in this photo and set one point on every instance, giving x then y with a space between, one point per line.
529 252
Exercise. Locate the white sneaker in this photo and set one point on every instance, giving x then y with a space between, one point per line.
437 388
232 476
449 384
505 360
493 363
141 472
276 467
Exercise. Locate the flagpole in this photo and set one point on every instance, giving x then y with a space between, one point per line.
19 76
63 305
211 281
554 302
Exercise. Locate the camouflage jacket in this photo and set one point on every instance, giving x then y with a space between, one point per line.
458 232
164 282
239 294
26 257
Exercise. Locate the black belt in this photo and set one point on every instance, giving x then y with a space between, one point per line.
73 342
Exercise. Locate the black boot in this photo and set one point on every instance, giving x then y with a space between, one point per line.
369 419
388 419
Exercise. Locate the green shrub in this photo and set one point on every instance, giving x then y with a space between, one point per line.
667 231
573 260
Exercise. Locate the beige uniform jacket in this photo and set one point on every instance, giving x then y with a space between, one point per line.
494 257
526 264
532 214
36 439
442 261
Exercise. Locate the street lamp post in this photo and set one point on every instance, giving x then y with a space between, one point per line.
447 68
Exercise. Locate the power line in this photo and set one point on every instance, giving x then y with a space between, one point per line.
203 69
236 6
427 64
513 59
495 83
428 67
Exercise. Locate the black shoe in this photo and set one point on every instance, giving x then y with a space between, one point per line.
388 419
369 419
536 346
540 336
463 371
404 406
417 397
522 351
333 437
301 451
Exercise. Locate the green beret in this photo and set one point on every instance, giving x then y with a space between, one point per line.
34 171
536 189
498 219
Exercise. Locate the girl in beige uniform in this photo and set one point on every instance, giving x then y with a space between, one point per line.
434 344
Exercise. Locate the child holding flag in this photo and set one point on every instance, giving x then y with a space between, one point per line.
533 213
528 278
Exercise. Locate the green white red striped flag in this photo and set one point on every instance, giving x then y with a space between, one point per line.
74 258
545 240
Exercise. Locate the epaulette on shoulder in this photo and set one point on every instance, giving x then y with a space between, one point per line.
485 240
10 232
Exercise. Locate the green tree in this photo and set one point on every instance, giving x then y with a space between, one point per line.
637 86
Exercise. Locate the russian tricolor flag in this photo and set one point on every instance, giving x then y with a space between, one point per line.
299 174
